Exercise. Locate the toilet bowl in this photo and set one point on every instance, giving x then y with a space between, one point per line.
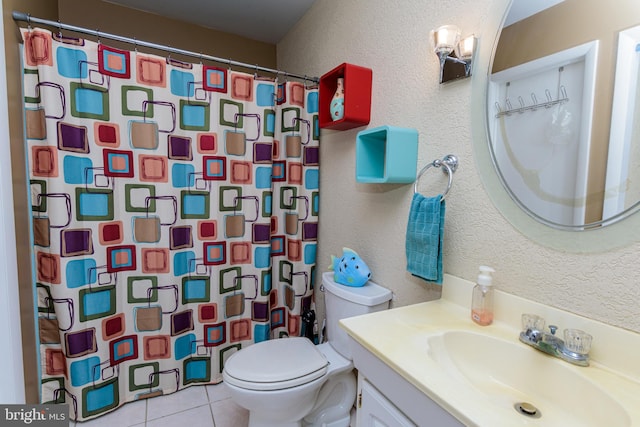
291 382
279 381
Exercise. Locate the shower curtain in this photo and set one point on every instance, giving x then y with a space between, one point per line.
174 217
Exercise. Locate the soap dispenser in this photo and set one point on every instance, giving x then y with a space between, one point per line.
482 299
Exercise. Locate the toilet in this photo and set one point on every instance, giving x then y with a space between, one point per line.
291 382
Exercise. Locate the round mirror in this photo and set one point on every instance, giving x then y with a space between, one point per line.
563 110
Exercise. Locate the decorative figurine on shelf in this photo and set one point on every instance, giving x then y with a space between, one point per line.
350 269
337 102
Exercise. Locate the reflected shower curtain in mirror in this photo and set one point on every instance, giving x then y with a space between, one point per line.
175 215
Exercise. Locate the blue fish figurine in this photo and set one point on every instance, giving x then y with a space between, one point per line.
350 269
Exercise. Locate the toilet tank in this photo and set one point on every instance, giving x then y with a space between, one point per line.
346 301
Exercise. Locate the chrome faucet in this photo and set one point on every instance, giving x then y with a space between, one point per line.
573 349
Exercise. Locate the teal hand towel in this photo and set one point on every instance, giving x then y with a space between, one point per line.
425 232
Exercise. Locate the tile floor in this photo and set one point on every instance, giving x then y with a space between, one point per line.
197 406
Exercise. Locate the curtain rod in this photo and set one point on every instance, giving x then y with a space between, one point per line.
25 17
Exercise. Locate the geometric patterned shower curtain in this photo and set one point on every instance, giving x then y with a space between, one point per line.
174 213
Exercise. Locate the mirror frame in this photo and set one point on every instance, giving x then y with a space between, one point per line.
616 235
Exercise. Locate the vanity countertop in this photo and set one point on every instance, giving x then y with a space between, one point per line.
399 337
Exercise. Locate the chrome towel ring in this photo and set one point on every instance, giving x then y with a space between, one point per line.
449 164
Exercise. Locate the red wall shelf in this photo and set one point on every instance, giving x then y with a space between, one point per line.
357 97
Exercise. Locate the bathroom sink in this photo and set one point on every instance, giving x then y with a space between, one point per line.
511 376
480 374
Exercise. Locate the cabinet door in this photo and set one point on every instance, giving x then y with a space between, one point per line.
375 410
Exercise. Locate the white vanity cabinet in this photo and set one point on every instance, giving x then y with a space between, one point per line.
375 410
386 399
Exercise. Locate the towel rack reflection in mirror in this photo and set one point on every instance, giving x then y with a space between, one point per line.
449 164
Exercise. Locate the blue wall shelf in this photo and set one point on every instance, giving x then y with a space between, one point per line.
387 154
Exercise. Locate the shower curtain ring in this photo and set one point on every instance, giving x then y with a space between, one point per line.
59 29
255 74
29 21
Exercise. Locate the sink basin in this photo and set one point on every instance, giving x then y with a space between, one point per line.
508 374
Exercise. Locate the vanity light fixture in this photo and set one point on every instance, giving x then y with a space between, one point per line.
450 48
464 51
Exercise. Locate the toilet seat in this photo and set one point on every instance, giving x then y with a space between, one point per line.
276 365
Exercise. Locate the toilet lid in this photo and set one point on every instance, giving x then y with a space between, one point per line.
276 364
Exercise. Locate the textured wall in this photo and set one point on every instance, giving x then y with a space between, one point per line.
391 37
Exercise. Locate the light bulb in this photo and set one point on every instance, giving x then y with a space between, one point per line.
464 48
444 39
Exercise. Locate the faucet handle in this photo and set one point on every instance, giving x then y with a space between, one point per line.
577 341
553 329
532 322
